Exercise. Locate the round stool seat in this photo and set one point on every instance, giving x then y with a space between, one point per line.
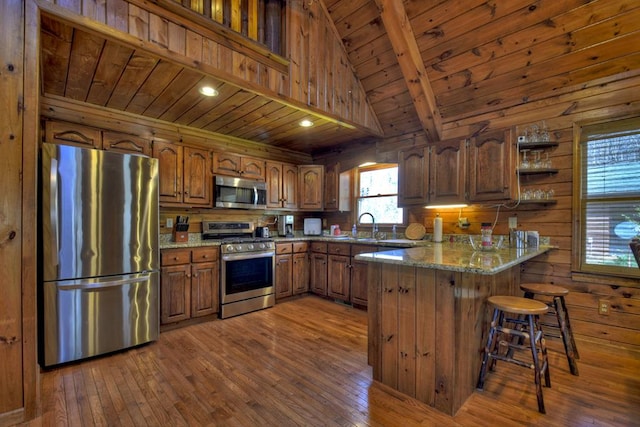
544 289
518 305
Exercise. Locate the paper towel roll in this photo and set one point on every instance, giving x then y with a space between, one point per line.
437 229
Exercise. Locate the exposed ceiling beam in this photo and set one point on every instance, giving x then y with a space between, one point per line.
406 49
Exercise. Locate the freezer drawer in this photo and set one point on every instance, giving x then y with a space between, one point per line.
84 318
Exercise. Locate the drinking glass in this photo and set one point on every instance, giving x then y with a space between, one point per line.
524 164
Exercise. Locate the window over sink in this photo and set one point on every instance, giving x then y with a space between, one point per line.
378 194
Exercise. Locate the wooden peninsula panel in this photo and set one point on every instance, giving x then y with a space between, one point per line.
426 329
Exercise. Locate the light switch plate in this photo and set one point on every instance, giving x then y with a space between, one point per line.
513 222
169 223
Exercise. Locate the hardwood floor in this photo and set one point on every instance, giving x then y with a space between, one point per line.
304 362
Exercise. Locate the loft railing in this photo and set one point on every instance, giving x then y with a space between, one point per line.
260 20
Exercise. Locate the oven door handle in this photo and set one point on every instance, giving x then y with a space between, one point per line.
247 255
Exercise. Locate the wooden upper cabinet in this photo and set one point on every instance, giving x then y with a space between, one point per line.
311 179
169 171
491 166
235 165
447 169
331 187
123 143
197 179
282 184
413 176
72 134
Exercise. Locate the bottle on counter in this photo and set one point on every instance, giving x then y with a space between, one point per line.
354 231
394 232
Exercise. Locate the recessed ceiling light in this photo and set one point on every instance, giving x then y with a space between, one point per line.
306 123
208 91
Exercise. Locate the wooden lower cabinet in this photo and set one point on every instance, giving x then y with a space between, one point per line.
339 277
189 284
318 268
292 269
300 274
359 281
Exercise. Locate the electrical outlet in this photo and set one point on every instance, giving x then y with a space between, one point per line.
463 223
513 222
169 223
603 307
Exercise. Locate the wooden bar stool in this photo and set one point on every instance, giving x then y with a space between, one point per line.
557 307
502 335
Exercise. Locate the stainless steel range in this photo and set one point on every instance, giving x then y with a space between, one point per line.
247 270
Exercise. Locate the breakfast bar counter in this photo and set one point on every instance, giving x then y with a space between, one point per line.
428 317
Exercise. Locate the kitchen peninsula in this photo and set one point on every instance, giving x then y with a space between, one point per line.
427 316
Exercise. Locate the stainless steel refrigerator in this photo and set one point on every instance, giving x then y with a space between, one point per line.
99 287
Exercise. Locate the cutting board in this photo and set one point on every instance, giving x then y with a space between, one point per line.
415 231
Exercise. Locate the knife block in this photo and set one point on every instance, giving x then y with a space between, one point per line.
180 236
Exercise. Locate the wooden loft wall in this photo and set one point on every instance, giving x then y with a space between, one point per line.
316 75
321 73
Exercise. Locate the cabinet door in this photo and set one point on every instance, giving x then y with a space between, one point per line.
169 170
197 179
123 143
331 186
226 164
300 276
491 166
359 282
274 184
252 168
72 134
318 279
311 178
413 176
289 186
284 271
205 286
448 166
338 277
175 293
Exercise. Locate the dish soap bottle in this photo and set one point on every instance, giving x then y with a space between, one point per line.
354 231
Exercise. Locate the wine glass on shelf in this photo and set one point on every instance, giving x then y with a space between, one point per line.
536 163
524 164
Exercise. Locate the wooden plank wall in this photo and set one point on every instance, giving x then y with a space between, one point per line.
318 74
321 73
612 97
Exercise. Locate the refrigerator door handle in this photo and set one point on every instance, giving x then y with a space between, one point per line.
95 286
53 211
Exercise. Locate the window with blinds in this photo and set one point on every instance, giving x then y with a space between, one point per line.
609 199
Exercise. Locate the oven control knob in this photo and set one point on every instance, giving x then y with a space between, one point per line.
250 246
229 248
261 246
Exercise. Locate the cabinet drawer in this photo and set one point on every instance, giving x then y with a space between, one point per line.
175 257
319 247
338 248
204 254
284 248
362 249
300 247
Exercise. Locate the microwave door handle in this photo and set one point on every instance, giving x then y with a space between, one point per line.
53 211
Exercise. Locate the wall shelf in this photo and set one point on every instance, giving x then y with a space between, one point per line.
536 144
539 171
539 202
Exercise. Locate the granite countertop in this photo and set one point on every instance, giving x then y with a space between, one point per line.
456 257
196 241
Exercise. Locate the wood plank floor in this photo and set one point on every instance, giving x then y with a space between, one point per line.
304 363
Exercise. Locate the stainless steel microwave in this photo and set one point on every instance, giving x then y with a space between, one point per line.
239 193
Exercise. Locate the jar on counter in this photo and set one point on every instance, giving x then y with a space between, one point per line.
486 231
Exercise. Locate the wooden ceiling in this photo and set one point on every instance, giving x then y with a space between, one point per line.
455 60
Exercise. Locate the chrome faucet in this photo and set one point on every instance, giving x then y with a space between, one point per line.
374 228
